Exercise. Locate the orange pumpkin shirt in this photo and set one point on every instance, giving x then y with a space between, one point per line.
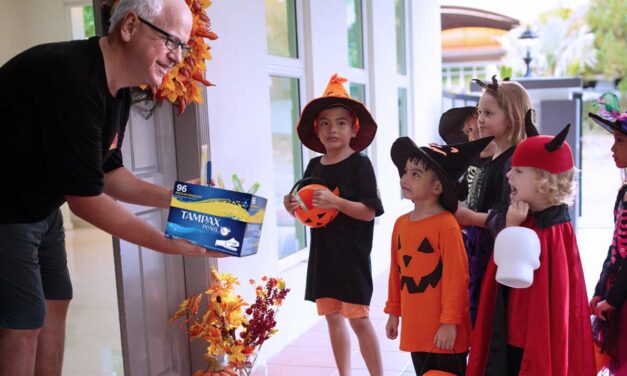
428 283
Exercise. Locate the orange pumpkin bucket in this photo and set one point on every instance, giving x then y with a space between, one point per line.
305 213
438 373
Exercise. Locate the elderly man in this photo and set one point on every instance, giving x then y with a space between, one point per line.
64 110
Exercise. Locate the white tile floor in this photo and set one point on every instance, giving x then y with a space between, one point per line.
92 345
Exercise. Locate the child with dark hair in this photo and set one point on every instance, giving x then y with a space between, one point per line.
339 277
608 304
428 283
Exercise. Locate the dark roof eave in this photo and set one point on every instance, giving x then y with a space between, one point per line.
453 17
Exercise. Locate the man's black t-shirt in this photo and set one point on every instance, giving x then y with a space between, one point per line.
60 128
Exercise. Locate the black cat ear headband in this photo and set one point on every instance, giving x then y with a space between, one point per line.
493 86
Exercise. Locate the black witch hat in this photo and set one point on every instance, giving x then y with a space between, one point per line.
449 161
451 126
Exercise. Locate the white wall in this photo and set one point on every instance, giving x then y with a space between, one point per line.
26 23
240 126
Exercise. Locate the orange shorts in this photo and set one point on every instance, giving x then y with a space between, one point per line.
327 306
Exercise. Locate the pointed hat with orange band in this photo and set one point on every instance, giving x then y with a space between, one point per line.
335 95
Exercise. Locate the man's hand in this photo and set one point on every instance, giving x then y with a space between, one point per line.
391 328
185 248
445 336
324 199
517 213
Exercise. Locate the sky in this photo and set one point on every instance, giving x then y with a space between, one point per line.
524 11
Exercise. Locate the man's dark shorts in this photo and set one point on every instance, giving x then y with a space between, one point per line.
33 268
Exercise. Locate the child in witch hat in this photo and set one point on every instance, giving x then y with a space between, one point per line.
339 275
543 329
458 125
608 304
428 283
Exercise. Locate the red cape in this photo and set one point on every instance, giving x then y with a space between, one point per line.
558 335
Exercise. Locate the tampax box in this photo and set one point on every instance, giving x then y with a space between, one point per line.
217 219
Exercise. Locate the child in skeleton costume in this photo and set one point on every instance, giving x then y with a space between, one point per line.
608 304
459 125
543 329
428 283
501 114
339 278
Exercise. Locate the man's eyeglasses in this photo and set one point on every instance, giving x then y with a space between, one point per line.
171 42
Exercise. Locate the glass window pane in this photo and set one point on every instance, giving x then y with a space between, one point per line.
358 92
354 20
402 112
281 28
82 21
287 161
401 57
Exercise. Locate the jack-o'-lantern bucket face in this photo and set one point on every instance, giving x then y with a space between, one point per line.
306 213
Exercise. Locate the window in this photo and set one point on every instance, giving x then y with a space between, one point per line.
286 151
286 68
81 21
401 50
402 68
403 116
354 20
357 92
281 28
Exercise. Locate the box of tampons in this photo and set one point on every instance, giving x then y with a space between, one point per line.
217 219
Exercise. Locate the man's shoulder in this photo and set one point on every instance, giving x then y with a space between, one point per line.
55 63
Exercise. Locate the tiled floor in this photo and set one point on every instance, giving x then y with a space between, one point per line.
92 344
311 353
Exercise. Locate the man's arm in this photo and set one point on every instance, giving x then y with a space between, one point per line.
103 212
122 185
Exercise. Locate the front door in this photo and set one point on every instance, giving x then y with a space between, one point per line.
150 285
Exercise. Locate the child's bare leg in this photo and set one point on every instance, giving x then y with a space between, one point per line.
368 345
340 342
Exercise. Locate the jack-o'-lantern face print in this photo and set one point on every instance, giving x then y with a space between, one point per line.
419 267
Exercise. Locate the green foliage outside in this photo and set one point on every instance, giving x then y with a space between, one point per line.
88 20
608 21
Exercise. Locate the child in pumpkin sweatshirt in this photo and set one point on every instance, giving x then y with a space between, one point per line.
428 285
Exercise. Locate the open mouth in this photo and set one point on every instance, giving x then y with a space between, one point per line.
513 193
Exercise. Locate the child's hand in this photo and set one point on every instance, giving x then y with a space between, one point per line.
593 304
391 328
516 213
290 203
464 216
603 308
445 337
324 199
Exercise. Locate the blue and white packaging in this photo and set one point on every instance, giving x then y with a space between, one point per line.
217 219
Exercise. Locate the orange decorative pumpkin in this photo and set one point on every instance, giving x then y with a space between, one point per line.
306 213
438 373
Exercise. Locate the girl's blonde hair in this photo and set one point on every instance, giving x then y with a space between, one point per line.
558 188
513 99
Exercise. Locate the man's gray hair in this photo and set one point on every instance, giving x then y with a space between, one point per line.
146 9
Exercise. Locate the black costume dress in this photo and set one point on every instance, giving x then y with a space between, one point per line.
339 254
